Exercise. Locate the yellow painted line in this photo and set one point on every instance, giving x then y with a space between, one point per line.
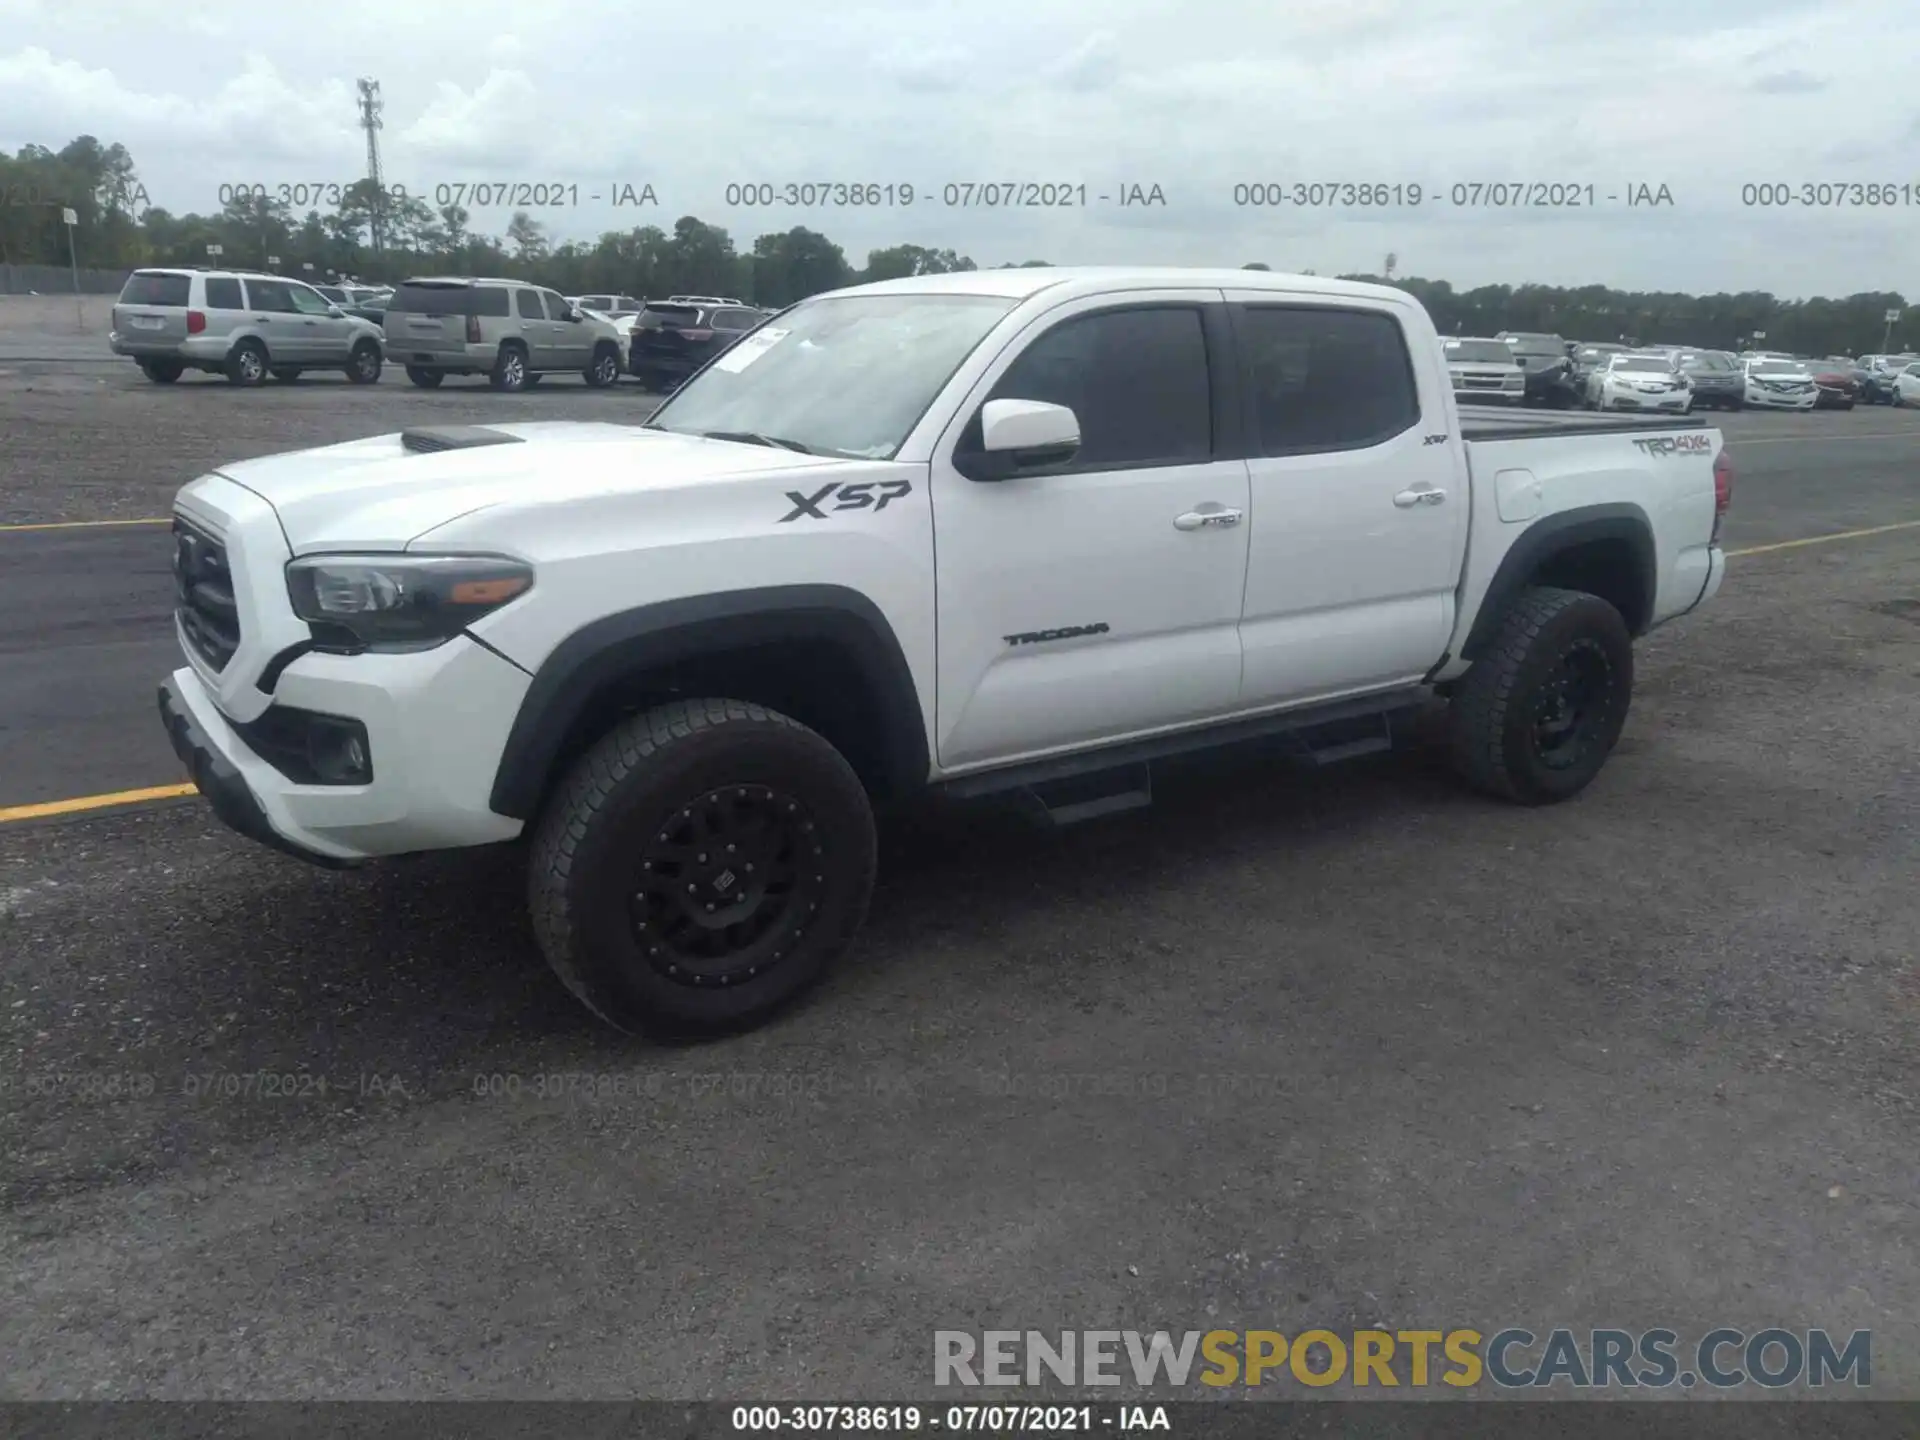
1827 539
93 802
78 525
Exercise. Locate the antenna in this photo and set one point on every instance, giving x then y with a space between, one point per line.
370 107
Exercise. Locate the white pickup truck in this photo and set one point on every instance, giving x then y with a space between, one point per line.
1013 530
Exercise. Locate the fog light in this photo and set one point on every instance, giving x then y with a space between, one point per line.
338 752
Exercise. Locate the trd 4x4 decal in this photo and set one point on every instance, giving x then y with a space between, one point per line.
870 494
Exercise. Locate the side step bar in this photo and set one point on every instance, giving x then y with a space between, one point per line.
1112 781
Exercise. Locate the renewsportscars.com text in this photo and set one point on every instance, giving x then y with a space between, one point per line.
1514 1358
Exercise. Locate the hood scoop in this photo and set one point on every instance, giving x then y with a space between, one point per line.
427 439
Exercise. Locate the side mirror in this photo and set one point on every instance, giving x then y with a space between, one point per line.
336 313
1020 437
575 316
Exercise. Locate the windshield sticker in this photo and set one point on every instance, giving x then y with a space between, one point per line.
750 350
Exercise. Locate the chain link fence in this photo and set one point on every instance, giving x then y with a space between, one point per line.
58 280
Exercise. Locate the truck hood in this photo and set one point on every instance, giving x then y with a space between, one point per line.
378 493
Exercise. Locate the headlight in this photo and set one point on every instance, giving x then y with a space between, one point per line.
400 602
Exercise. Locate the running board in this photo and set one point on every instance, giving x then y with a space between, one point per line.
1339 730
1059 803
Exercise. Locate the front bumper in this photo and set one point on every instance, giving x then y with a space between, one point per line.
1771 400
221 781
1671 403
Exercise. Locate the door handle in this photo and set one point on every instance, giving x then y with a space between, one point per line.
1420 495
1208 517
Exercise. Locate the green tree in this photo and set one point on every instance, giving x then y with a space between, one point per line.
527 236
795 265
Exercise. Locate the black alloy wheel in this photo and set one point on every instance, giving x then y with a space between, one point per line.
728 885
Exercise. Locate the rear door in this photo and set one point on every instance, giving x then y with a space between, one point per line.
272 313
530 318
427 320
1359 502
152 308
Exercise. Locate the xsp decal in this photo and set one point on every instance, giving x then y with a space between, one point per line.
1065 632
1675 444
868 495
1434 440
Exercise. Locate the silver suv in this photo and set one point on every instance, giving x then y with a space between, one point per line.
508 330
241 325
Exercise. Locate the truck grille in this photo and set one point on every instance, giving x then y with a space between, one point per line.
203 595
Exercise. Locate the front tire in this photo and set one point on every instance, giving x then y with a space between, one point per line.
1536 717
663 828
286 374
425 379
364 364
605 369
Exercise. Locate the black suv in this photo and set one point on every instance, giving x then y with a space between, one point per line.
1550 379
672 339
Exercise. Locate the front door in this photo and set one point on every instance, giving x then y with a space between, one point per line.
1359 501
572 339
1092 604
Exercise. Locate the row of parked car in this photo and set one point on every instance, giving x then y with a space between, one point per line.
1516 368
249 326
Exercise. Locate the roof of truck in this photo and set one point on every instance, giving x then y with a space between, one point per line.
1021 283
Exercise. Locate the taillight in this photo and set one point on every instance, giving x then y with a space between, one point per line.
1722 491
196 322
473 329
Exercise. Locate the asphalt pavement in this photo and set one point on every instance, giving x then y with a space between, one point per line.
1291 1050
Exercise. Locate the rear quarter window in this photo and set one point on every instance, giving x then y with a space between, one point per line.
489 300
146 288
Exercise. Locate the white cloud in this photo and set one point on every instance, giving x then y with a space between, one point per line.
498 122
1192 95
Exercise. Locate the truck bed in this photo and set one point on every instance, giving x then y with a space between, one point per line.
1493 422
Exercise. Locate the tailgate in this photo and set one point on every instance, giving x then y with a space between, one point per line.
428 318
148 324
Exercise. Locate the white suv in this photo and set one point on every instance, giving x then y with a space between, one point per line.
243 325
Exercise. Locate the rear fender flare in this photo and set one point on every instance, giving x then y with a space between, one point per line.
1553 535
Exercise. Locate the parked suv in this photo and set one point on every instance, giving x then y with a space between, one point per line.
1548 366
508 330
238 324
673 338
1716 377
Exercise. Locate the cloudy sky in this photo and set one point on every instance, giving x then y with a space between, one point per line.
1193 96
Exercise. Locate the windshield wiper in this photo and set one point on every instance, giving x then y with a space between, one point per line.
749 437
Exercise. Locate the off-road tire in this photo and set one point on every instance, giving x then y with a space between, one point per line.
633 788
605 368
424 378
364 363
1495 719
510 367
247 363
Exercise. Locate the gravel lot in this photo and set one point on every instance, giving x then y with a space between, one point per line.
1291 1050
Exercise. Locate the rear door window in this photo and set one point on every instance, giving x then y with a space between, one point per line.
1327 379
144 287
223 293
527 303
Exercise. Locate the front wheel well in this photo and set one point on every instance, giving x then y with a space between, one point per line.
814 681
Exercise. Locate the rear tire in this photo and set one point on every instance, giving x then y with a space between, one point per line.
162 372
425 379
247 363
1538 714
605 369
534 377
286 374
648 808
364 364
510 368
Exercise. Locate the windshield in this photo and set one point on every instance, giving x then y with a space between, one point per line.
1536 345
1651 364
842 375
1479 352
1778 367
